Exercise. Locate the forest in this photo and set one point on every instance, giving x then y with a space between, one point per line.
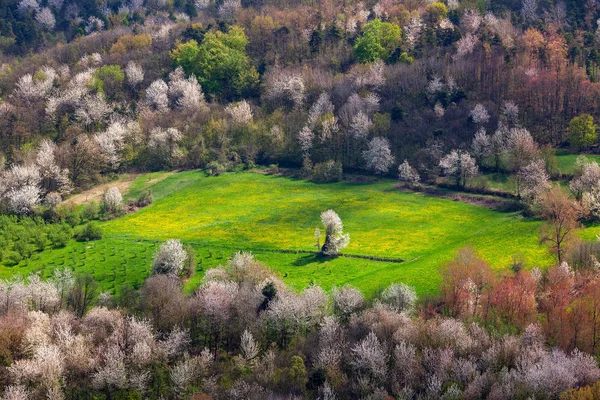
299 199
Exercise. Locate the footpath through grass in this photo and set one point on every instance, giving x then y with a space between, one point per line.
265 214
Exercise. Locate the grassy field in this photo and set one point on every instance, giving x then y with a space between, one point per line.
264 214
566 162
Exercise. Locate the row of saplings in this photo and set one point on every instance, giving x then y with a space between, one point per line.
54 225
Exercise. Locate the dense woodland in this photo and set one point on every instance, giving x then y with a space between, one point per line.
435 94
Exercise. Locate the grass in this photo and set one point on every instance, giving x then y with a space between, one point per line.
566 162
264 214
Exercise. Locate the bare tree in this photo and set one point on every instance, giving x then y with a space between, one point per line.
561 214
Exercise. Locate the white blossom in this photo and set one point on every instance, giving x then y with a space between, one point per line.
335 239
240 113
482 144
400 297
228 8
378 156
413 31
250 349
347 300
169 258
533 180
305 137
322 106
112 200
157 96
459 165
406 173
466 45
134 73
360 126
281 85
94 24
370 357
46 18
480 114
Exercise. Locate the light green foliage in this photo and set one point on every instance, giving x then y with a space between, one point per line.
435 12
582 131
109 80
220 62
378 40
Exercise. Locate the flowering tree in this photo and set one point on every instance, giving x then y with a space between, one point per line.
408 174
370 358
185 94
347 300
532 181
378 156
480 114
335 239
112 201
281 85
587 180
53 178
240 113
481 145
157 96
360 126
134 73
400 297
459 165
170 258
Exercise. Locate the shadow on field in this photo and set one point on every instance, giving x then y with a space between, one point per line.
309 259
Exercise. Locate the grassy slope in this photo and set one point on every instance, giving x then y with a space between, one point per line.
566 162
247 211
255 212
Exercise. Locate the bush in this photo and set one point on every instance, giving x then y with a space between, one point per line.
59 235
215 168
91 231
91 211
330 171
145 199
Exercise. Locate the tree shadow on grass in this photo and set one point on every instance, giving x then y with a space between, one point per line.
310 259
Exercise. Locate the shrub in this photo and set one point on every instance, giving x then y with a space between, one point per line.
330 171
145 199
90 211
215 168
90 231
59 235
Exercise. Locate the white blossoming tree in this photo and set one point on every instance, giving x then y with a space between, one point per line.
459 165
378 156
335 238
170 258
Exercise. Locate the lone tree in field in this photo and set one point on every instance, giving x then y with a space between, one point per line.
170 259
335 239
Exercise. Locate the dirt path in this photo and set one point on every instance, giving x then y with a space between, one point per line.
95 193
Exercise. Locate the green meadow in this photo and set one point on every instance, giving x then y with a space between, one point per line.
267 214
566 162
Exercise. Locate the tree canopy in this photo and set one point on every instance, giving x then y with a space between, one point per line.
219 62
